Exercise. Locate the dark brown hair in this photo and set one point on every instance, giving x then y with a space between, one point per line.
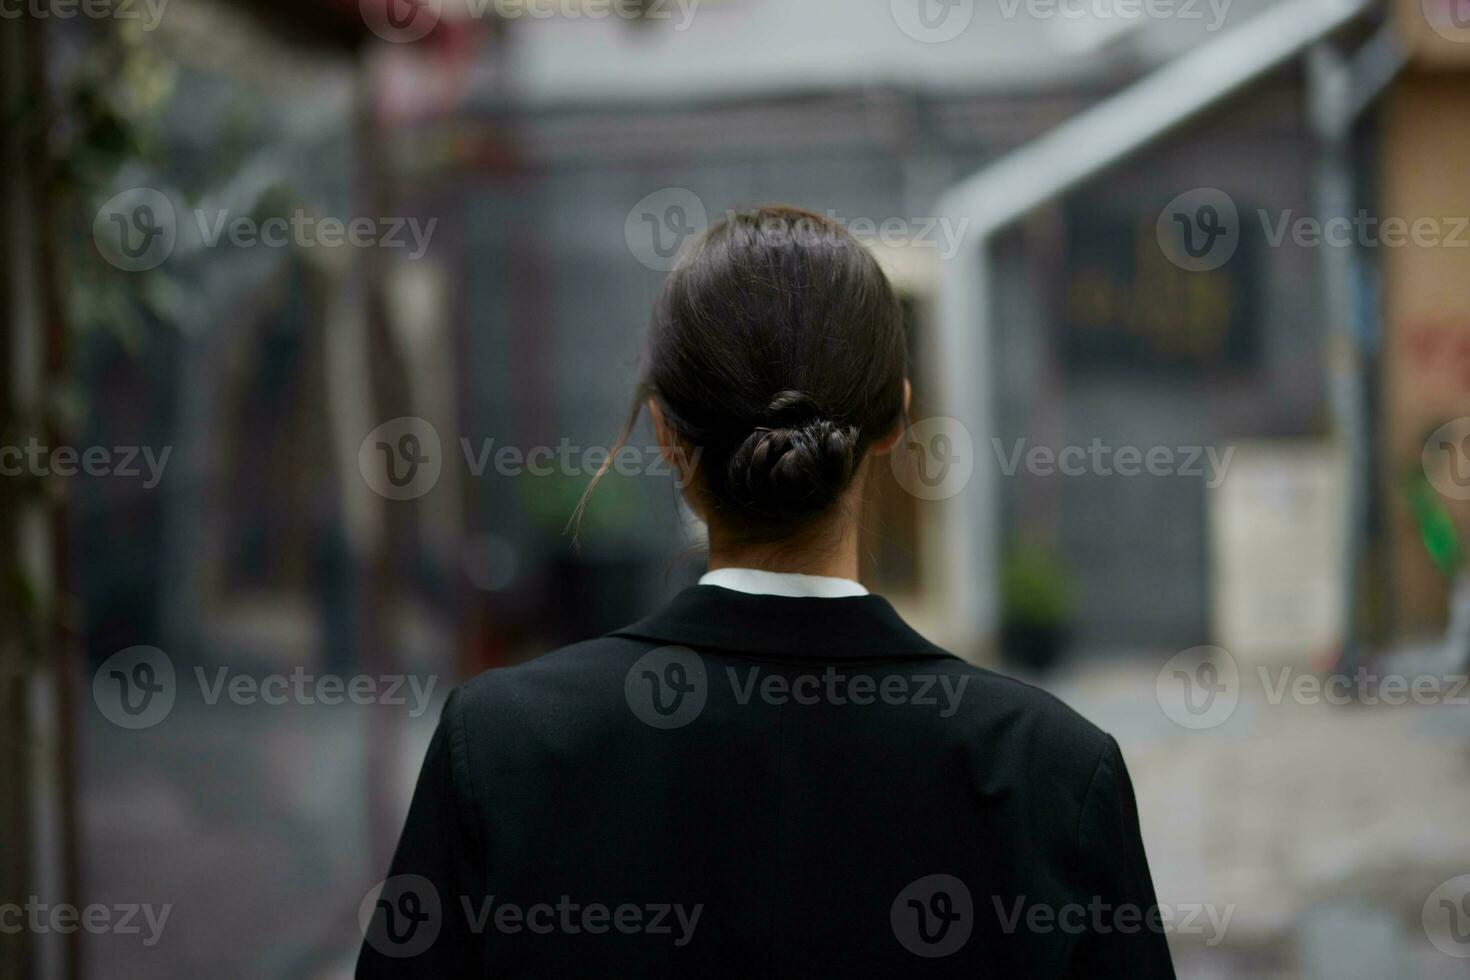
777 350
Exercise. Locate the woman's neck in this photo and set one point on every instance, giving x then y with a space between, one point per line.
833 554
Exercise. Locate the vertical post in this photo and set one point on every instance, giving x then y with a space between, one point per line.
964 373
38 669
1331 112
60 635
386 549
16 320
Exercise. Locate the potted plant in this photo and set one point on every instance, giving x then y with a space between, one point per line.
1036 608
1441 538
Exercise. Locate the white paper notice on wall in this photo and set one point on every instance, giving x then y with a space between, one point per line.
1277 529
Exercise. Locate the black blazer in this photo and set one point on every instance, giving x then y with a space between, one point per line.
759 786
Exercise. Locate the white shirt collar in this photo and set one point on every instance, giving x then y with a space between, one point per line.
791 584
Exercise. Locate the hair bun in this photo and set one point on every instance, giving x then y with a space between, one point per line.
794 466
791 408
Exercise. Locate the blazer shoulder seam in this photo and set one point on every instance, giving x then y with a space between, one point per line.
1102 758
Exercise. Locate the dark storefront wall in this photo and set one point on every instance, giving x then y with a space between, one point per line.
1136 548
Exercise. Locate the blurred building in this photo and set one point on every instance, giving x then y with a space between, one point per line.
753 102
529 143
1425 366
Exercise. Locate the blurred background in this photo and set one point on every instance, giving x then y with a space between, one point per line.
317 318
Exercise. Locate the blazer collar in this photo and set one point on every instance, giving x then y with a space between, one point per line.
850 628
